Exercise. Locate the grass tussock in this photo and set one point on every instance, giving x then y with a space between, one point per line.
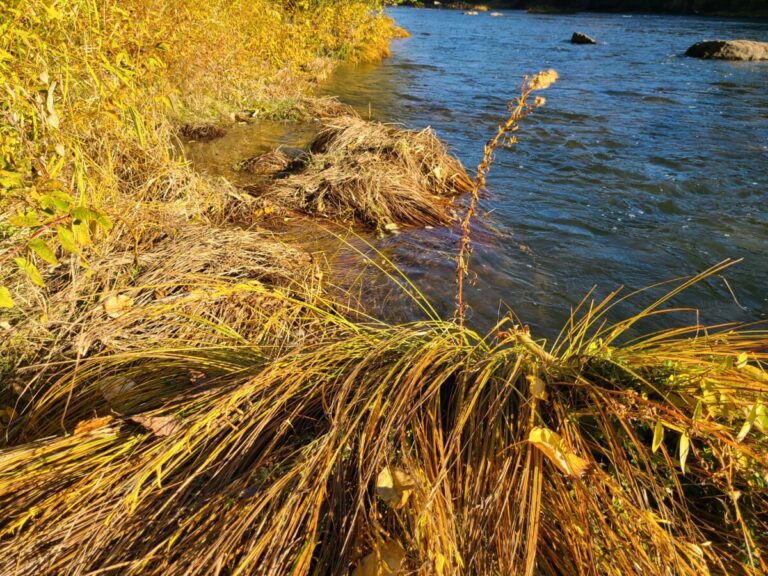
133 298
368 173
425 446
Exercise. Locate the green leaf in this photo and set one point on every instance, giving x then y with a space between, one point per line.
57 200
697 412
66 239
747 426
11 179
30 270
82 213
685 447
39 247
101 219
658 436
5 298
80 218
761 418
138 125
26 219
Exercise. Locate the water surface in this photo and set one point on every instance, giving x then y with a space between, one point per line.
643 166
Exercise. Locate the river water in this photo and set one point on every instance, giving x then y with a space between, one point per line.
643 166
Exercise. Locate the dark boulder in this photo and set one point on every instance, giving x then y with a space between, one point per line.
581 38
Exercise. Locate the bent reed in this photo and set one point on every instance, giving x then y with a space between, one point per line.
178 395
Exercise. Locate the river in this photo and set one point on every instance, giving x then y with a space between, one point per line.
643 166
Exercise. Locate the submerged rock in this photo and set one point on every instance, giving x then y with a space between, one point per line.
729 50
581 38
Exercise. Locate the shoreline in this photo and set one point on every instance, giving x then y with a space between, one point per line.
571 9
180 395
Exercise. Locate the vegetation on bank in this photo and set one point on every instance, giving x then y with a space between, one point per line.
93 93
181 395
743 8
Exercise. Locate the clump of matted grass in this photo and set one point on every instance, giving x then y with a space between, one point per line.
370 173
144 294
422 446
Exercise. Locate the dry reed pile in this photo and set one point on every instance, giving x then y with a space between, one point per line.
134 298
368 173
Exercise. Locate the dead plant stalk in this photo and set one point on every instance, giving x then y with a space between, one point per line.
519 109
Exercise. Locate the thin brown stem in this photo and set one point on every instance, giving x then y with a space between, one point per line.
520 110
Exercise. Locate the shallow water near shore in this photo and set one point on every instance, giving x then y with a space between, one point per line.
643 166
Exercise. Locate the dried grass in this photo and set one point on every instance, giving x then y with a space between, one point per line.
203 132
146 294
271 163
279 468
372 174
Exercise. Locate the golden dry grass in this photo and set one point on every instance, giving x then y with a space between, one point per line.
370 173
182 399
500 457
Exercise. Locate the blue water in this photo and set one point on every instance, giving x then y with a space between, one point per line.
643 166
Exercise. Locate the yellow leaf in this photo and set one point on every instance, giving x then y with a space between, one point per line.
30 270
138 126
116 306
553 447
41 248
394 486
385 560
658 436
741 361
685 446
5 298
439 564
747 426
538 387
87 426
66 239
81 232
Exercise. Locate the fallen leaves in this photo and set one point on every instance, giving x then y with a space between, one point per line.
88 426
394 486
554 448
5 298
386 559
161 426
116 388
116 306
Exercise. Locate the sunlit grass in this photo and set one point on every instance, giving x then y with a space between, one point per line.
183 397
270 463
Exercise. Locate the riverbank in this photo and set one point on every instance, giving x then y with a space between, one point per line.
181 394
740 9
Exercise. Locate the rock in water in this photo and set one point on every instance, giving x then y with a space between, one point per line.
729 50
581 38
